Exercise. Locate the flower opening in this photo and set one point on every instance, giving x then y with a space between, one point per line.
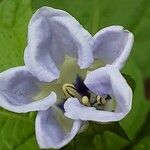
88 98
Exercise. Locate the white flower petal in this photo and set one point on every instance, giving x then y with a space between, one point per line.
75 110
17 87
50 128
106 80
113 45
52 34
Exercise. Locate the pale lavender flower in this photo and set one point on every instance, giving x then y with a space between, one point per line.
55 41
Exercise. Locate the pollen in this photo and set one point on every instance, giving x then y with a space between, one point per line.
85 101
101 100
69 90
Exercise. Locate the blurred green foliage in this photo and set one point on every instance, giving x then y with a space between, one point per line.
17 131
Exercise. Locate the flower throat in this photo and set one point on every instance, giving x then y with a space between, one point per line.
85 96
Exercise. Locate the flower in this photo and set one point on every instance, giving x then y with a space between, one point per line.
55 41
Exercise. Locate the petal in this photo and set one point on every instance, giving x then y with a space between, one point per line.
75 110
113 45
53 129
52 34
106 80
17 89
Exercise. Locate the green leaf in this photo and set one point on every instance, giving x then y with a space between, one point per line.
144 144
140 107
13 29
140 135
16 130
96 131
112 127
108 140
84 141
130 81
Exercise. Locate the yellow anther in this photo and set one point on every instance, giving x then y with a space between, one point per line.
85 101
101 100
69 90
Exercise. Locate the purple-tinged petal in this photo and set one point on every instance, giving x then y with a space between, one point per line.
75 110
54 130
52 34
17 89
113 45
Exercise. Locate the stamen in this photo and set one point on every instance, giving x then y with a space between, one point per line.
85 101
69 90
101 100
87 97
